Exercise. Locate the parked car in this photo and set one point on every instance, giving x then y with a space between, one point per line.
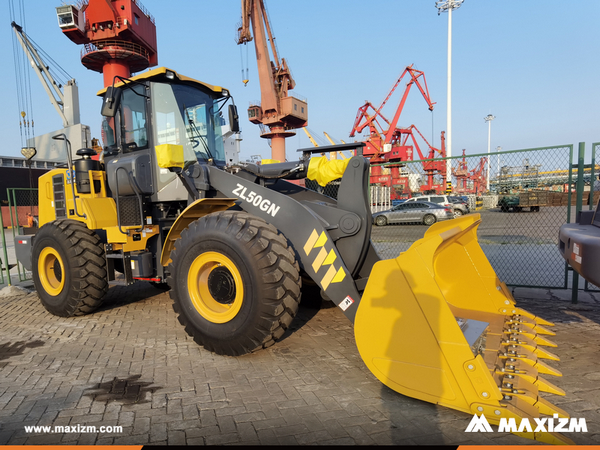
421 212
462 200
458 208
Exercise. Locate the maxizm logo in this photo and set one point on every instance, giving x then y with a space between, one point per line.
540 425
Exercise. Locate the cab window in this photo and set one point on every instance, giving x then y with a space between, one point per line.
134 134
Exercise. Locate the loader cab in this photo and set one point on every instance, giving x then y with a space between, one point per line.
155 108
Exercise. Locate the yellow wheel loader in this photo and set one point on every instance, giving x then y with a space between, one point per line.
233 243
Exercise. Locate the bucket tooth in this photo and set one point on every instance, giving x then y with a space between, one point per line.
543 341
545 386
523 390
538 320
530 325
526 372
526 330
546 369
523 343
541 330
525 357
549 409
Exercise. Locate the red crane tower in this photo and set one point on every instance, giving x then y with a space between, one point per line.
389 143
470 182
278 110
119 36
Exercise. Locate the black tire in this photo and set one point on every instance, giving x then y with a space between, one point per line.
69 268
429 219
160 285
381 221
249 303
457 213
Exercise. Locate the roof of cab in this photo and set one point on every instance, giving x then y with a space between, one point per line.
161 73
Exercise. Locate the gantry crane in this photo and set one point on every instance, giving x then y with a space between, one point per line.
278 110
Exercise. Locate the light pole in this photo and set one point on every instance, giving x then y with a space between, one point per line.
498 149
448 6
488 119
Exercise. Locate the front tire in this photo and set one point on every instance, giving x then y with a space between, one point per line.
458 213
429 219
235 282
381 221
69 271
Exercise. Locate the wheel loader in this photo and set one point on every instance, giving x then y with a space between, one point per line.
234 244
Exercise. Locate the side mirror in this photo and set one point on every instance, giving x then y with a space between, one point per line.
111 102
234 119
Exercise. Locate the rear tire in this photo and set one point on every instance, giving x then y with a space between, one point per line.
380 221
457 213
235 282
429 219
69 268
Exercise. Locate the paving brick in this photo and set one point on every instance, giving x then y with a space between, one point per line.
311 388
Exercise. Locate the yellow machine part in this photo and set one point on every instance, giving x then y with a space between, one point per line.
98 210
324 171
437 324
199 208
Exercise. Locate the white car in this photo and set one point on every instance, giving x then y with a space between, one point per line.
458 208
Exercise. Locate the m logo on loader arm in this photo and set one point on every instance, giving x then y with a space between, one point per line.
479 424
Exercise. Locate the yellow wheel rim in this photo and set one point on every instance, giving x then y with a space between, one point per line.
215 287
51 270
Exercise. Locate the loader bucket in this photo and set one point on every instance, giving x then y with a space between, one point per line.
437 324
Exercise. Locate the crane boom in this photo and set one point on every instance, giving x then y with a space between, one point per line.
67 103
278 110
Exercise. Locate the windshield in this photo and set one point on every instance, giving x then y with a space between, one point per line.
187 116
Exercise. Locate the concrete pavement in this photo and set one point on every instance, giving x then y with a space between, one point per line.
132 365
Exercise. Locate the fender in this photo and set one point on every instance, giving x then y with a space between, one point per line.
198 209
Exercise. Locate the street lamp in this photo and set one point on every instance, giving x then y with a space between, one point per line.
448 6
488 119
498 149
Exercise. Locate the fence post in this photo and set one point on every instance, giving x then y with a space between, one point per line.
578 207
592 178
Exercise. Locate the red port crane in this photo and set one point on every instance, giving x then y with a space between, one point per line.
278 110
389 143
119 36
470 182
378 135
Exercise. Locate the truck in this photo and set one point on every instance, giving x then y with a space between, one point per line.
517 203
235 244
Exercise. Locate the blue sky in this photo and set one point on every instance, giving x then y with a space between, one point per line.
533 64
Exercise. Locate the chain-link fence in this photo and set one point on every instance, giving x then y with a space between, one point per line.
523 202
523 197
593 196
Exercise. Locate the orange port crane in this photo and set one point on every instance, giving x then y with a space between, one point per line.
279 111
119 36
